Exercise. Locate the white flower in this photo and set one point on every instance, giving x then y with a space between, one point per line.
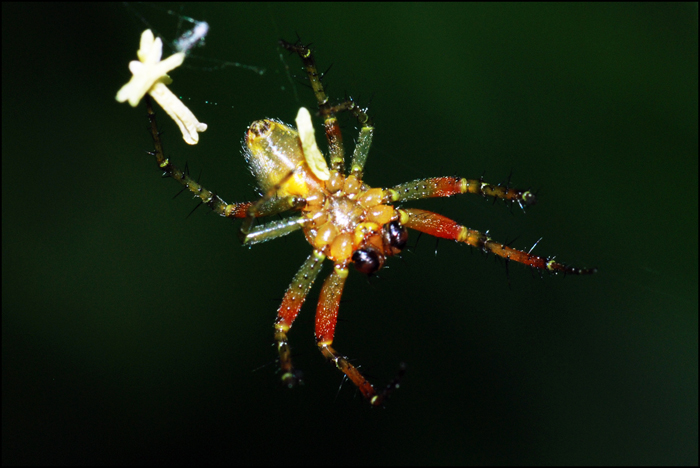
151 76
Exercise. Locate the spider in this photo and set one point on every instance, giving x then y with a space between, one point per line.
344 220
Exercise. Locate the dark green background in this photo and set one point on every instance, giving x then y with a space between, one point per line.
133 334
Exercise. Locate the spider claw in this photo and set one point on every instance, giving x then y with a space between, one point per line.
292 378
392 386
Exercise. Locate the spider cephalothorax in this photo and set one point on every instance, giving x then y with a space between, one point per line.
343 219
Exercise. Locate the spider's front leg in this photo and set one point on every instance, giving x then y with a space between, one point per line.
442 226
326 319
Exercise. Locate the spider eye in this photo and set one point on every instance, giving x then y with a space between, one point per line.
367 260
395 235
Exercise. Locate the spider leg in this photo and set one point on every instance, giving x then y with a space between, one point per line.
441 226
289 309
326 318
330 122
272 230
364 140
448 186
213 201
270 204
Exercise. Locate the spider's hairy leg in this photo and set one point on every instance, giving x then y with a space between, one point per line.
364 140
330 121
359 156
289 309
271 204
251 235
441 226
326 319
213 201
448 186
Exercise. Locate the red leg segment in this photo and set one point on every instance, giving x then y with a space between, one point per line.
441 226
448 186
326 318
289 309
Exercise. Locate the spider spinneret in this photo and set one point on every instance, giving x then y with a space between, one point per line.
343 219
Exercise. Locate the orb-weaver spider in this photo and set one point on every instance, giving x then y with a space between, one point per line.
343 219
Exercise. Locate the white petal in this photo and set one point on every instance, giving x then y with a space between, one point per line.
179 112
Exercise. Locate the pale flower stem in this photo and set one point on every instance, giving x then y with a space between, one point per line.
176 109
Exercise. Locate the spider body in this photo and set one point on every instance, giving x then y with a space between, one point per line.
343 219
346 216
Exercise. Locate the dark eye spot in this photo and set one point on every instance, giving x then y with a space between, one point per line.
259 128
367 260
395 235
